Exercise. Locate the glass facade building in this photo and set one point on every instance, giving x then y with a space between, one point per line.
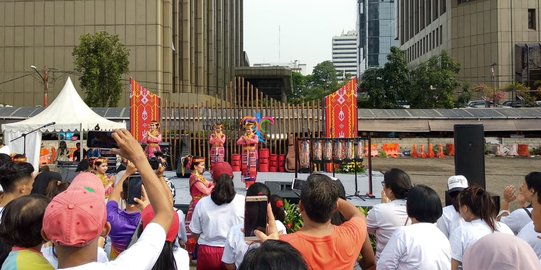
376 25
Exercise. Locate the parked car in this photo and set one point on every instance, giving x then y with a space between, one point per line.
479 104
514 104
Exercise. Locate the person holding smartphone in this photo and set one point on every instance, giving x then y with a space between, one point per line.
123 222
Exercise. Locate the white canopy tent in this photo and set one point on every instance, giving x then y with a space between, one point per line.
68 112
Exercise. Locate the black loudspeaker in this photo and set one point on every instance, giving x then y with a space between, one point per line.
283 189
470 153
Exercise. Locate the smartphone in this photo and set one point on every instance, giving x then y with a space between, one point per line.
298 184
154 163
255 216
101 139
134 188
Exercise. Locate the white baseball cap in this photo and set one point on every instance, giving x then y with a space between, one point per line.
457 183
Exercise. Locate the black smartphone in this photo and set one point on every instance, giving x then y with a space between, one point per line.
134 188
100 139
298 184
255 216
154 163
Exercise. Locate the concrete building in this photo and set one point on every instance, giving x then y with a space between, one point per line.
344 54
496 42
176 47
376 24
295 66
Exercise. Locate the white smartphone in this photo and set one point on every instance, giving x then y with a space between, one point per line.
255 216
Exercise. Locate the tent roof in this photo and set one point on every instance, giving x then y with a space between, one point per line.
68 111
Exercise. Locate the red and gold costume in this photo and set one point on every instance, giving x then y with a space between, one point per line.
249 141
217 141
199 188
152 138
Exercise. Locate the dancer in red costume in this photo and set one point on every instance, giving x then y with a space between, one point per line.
217 141
199 188
152 138
249 141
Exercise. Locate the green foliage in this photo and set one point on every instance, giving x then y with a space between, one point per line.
464 96
522 92
351 167
386 86
429 85
293 217
102 60
434 83
319 84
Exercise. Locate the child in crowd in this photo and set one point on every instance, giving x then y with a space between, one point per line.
20 228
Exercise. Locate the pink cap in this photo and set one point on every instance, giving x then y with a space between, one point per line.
76 216
220 168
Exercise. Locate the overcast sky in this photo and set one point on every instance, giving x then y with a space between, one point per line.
306 29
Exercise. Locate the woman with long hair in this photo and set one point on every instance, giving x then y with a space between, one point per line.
199 188
212 219
479 211
62 154
100 169
384 218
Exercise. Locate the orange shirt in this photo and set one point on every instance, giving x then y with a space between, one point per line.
338 250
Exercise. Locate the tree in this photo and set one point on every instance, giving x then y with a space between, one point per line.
324 77
520 91
386 86
433 83
102 60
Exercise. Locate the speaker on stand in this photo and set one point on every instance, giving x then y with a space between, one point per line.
470 153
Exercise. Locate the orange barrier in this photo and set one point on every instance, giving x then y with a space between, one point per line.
523 150
440 151
430 151
414 152
423 154
450 149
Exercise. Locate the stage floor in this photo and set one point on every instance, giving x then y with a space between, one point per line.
348 180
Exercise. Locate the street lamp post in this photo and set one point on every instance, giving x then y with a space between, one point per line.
492 71
45 79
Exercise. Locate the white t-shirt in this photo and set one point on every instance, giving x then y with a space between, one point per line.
212 222
418 246
383 219
142 255
529 235
235 245
517 219
53 260
182 228
449 220
469 233
182 259
5 150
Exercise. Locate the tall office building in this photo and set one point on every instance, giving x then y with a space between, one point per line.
184 46
496 42
344 54
376 24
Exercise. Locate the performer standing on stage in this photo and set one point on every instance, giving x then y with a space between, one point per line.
199 188
217 141
249 141
153 138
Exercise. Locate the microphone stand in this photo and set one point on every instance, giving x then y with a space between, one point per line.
30 132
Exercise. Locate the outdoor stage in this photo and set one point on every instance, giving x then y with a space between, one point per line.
348 180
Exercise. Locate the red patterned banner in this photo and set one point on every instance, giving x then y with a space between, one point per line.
144 108
341 112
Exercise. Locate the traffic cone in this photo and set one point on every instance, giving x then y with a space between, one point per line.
440 151
423 154
430 151
414 152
